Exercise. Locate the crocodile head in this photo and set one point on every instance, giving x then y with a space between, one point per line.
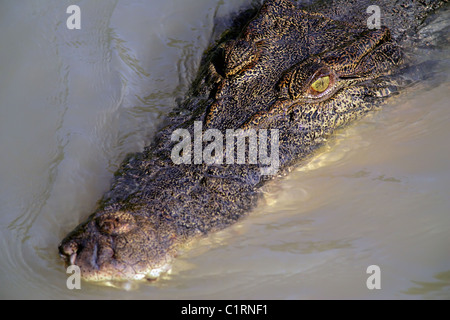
292 65
292 70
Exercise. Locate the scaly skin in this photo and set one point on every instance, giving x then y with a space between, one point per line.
262 78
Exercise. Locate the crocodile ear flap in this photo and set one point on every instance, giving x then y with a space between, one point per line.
381 60
355 58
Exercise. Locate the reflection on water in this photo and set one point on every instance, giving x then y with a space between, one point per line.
439 287
72 104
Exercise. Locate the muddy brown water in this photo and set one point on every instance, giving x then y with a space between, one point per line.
74 102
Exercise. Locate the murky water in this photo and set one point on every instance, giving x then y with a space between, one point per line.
74 102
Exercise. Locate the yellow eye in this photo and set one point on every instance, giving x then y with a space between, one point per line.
321 84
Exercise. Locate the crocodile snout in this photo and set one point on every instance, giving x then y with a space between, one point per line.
68 251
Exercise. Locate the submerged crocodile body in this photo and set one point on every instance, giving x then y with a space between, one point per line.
292 75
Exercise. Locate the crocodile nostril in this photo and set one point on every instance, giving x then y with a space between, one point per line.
69 251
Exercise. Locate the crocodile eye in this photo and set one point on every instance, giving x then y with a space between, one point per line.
321 84
308 82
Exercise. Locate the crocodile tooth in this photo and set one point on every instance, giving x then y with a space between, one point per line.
73 257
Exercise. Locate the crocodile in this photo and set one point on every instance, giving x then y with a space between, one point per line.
293 74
